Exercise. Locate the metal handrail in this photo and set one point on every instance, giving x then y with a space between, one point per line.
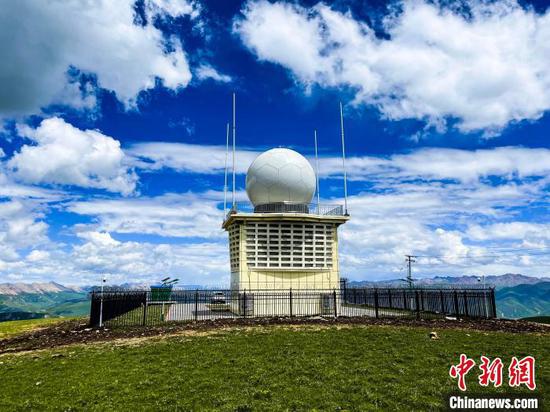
309 209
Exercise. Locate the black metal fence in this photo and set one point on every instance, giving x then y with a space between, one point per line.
132 308
115 305
464 303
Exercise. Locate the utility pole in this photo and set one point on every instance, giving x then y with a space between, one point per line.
410 259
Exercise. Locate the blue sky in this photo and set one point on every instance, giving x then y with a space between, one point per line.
113 116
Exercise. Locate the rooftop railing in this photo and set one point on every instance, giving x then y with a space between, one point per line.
301 208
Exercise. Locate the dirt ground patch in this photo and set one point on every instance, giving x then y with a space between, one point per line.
78 332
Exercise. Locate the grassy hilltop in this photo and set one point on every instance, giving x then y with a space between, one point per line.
278 367
16 327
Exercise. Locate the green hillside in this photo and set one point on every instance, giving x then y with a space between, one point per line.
12 328
524 300
29 305
539 319
262 368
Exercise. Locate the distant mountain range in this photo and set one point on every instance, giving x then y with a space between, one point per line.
517 295
501 281
39 300
46 287
525 300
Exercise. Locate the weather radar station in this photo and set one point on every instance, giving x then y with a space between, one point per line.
283 253
280 240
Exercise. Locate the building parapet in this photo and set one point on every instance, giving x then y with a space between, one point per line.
307 209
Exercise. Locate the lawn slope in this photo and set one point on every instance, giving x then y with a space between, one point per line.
292 367
539 319
17 327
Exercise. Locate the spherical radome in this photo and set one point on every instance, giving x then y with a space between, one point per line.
280 175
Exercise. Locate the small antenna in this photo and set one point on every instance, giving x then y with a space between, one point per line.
225 181
233 197
344 160
316 170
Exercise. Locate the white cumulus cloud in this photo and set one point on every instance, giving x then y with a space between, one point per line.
170 215
100 254
185 157
486 70
445 163
42 40
20 226
205 72
63 154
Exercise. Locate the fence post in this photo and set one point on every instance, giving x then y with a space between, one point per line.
101 308
465 296
442 302
335 304
389 299
456 303
376 303
196 304
244 303
355 296
290 295
417 304
145 312
92 309
421 300
493 303
405 304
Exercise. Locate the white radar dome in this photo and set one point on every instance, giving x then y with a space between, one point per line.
280 175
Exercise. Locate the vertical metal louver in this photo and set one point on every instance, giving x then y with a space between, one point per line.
289 245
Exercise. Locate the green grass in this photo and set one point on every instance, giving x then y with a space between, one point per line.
271 368
539 319
15 327
156 314
70 308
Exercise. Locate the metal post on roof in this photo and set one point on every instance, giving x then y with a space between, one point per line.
344 160
316 171
225 180
234 130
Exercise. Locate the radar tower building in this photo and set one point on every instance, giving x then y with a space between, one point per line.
282 241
